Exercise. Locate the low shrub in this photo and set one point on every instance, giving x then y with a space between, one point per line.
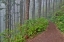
27 30
58 19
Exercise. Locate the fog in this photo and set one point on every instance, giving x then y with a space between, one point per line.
17 14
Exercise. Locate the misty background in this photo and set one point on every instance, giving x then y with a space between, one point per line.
47 10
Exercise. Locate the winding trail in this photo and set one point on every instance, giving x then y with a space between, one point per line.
52 34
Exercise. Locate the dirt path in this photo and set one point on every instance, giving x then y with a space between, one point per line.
52 34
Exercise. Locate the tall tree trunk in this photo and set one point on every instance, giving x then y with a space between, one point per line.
8 14
33 9
39 8
27 4
17 13
0 24
43 8
8 17
14 12
27 9
49 6
21 12
53 6
46 10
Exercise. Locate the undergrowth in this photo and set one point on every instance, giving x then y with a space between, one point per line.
27 30
58 19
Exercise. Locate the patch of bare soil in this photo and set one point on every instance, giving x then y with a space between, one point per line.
52 34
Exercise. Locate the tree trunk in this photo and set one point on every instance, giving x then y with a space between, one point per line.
14 13
49 6
21 12
27 9
39 8
8 14
43 8
46 10
8 18
33 9
53 6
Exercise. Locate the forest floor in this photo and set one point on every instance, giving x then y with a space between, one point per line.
52 34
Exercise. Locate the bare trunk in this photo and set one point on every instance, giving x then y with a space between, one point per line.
27 9
14 12
43 8
46 9
33 10
53 6
39 8
21 12
8 18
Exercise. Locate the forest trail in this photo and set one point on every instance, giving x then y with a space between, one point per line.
52 34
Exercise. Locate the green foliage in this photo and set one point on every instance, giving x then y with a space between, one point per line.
59 19
60 22
28 29
36 26
11 36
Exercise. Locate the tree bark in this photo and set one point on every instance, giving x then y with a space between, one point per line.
39 8
8 14
21 12
27 9
33 9
46 10
8 18
43 8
